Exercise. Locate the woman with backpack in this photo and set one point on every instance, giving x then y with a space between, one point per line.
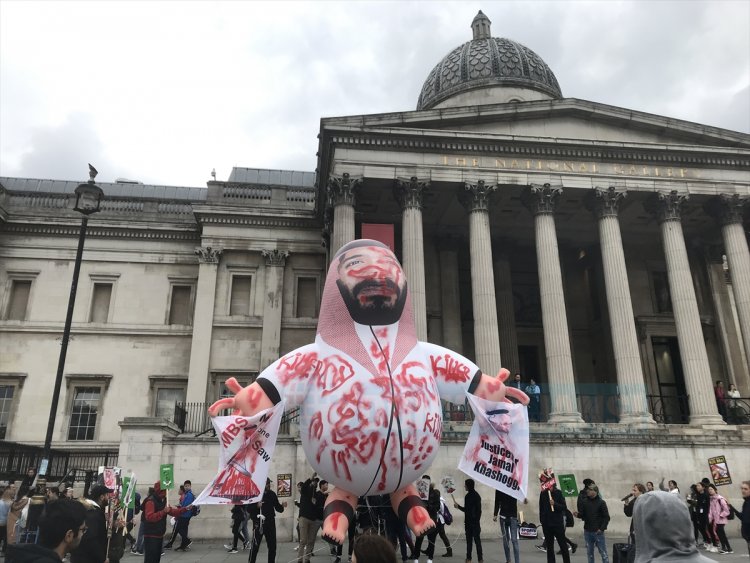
718 513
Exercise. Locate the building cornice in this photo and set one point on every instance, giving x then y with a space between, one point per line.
141 232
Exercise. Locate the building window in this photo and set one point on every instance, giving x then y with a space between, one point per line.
166 399
307 297
84 412
20 290
6 402
662 295
100 301
180 305
241 298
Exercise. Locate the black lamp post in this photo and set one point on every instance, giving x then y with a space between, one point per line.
88 200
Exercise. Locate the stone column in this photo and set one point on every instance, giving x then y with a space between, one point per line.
341 192
476 200
408 193
203 323
506 314
666 206
450 301
630 381
274 291
541 200
728 211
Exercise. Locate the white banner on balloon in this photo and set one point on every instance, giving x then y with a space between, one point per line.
246 446
497 451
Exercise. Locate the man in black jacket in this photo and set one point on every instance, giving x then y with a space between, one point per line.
269 506
473 515
552 517
307 517
93 546
61 527
595 515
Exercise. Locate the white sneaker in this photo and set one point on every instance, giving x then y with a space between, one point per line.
713 549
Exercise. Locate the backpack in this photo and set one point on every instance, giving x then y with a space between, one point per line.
730 516
447 516
195 510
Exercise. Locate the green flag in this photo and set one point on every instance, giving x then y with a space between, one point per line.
166 476
567 484
128 491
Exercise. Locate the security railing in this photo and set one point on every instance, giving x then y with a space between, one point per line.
193 418
16 459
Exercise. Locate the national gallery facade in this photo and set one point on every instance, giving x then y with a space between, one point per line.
598 250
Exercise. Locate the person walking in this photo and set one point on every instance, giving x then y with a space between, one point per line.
552 518
239 517
701 502
473 515
6 501
595 516
155 512
173 533
506 507
718 514
433 507
93 546
744 515
183 520
269 506
61 528
307 516
629 504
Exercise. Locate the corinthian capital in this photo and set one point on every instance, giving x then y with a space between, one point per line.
476 197
666 206
541 198
726 208
341 189
605 202
275 257
409 192
208 255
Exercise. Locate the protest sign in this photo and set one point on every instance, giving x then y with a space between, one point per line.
109 478
284 485
448 484
166 476
128 491
497 451
246 446
547 479
719 470
568 485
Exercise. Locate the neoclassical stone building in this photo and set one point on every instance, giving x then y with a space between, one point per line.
598 250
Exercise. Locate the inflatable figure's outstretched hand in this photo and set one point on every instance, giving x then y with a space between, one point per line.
247 401
494 389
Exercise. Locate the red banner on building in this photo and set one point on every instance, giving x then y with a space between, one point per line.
382 232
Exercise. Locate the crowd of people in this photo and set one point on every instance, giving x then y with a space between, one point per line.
665 525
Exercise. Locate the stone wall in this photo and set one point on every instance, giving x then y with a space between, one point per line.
611 455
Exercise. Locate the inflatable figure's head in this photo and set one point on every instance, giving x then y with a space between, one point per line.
371 282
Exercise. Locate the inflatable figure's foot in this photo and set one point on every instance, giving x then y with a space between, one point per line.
415 515
339 511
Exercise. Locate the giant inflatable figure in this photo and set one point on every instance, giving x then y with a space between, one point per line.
369 392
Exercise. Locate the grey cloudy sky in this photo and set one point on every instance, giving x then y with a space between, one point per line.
163 92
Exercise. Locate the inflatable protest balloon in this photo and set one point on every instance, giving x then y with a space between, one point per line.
369 392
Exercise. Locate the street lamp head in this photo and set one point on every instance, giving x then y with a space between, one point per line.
88 195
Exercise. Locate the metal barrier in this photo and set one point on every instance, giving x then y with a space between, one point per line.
193 418
16 459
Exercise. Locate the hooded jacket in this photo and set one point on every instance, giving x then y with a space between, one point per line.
663 530
31 553
718 510
93 546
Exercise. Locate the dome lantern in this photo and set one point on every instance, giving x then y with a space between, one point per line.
481 26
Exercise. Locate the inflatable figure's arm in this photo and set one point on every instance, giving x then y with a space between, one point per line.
455 375
287 378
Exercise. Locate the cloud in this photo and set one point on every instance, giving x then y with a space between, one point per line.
63 151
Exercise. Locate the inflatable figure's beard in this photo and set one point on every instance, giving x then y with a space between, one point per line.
375 310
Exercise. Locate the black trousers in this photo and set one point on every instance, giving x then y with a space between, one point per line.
269 532
152 550
181 528
431 536
552 533
472 535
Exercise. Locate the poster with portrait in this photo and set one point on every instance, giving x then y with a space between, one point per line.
719 470
497 451
284 485
246 446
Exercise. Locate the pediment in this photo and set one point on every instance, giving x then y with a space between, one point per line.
569 119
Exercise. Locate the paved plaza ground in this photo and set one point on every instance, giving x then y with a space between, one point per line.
214 552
